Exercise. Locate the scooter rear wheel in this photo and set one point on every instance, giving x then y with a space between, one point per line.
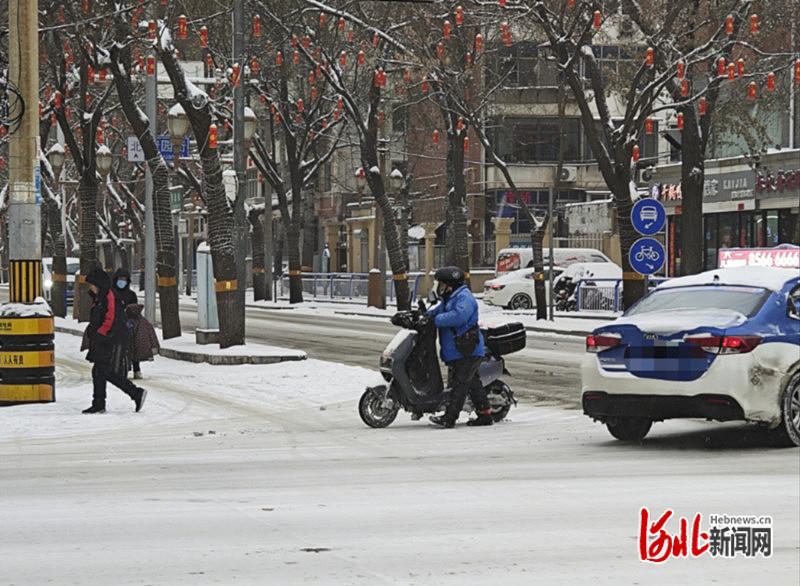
373 410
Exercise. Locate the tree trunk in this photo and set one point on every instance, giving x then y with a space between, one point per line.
162 211
280 242
87 200
58 291
539 294
633 284
457 252
255 217
692 179
309 231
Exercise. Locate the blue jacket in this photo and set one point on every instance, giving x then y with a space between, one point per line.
459 312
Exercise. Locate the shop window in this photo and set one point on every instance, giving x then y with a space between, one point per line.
710 228
788 227
536 140
772 227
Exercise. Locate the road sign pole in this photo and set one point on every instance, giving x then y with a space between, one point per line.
151 89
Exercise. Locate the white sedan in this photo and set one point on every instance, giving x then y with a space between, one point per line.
721 345
513 290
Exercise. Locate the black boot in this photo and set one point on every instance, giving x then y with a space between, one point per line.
442 421
483 418
94 409
139 401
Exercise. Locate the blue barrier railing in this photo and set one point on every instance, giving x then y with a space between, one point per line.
340 286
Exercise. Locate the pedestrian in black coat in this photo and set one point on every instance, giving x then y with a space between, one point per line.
106 332
142 338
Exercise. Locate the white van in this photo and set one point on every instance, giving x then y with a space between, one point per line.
512 259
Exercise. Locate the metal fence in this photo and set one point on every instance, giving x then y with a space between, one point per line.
343 286
482 255
604 294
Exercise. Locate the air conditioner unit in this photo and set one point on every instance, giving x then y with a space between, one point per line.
568 174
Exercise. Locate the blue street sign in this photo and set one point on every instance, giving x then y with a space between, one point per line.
164 143
646 256
648 216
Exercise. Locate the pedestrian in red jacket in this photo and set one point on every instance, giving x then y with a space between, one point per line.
106 332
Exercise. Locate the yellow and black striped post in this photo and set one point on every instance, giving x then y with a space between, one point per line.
27 356
25 283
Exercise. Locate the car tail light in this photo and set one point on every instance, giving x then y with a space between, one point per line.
497 287
600 342
725 344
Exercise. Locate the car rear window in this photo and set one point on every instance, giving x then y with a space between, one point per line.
745 300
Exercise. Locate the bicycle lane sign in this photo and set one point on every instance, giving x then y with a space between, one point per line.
646 256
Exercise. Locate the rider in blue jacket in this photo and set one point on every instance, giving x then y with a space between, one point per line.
462 348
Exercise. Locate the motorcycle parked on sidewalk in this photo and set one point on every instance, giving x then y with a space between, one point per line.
410 367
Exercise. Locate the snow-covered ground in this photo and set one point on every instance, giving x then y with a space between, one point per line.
291 488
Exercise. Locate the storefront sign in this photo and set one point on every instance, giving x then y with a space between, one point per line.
728 187
788 258
782 183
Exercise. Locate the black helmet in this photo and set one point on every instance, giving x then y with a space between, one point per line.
452 276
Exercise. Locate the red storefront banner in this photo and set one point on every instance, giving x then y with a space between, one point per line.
786 258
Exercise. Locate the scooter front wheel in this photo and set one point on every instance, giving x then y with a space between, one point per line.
375 410
500 399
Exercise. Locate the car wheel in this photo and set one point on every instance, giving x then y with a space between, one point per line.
789 429
629 429
521 301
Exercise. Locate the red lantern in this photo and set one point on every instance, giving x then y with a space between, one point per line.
151 30
305 41
209 61
752 90
204 36
182 31
296 57
350 36
459 15
446 29
731 71
729 24
635 154
340 104
62 18
361 57
278 58
651 57
598 19
478 43
702 106
648 126
797 72
440 50
721 66
468 58
466 144
375 39
406 75
740 67
343 59
212 136
293 41
312 79
235 74
570 3
90 74
313 93
254 67
684 87
342 23
256 28
424 86
151 65
502 3
754 24
300 105
324 123
102 74
99 136
679 121
323 18
435 137
681 69
771 81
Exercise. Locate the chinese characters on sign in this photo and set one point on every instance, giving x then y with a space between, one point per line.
788 258
728 536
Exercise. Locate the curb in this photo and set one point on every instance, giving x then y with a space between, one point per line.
200 357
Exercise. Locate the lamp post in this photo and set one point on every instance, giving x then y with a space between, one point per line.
189 208
178 127
103 160
250 123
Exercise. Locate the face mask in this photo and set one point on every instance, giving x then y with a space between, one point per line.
122 283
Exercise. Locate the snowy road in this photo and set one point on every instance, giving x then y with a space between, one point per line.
546 370
291 488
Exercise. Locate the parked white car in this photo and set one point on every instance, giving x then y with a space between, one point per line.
722 345
514 290
512 259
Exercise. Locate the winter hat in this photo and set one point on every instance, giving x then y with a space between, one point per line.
99 278
122 273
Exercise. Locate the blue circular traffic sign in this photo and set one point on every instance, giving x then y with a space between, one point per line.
646 256
648 216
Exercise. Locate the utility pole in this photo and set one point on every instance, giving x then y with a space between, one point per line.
151 90
239 154
24 180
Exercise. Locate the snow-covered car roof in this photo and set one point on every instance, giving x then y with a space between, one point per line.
766 277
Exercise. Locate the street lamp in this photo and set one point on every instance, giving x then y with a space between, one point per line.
396 177
104 158
178 126
250 122
56 156
361 180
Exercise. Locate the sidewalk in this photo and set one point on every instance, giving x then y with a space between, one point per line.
184 348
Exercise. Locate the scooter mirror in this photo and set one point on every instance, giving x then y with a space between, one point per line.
433 297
